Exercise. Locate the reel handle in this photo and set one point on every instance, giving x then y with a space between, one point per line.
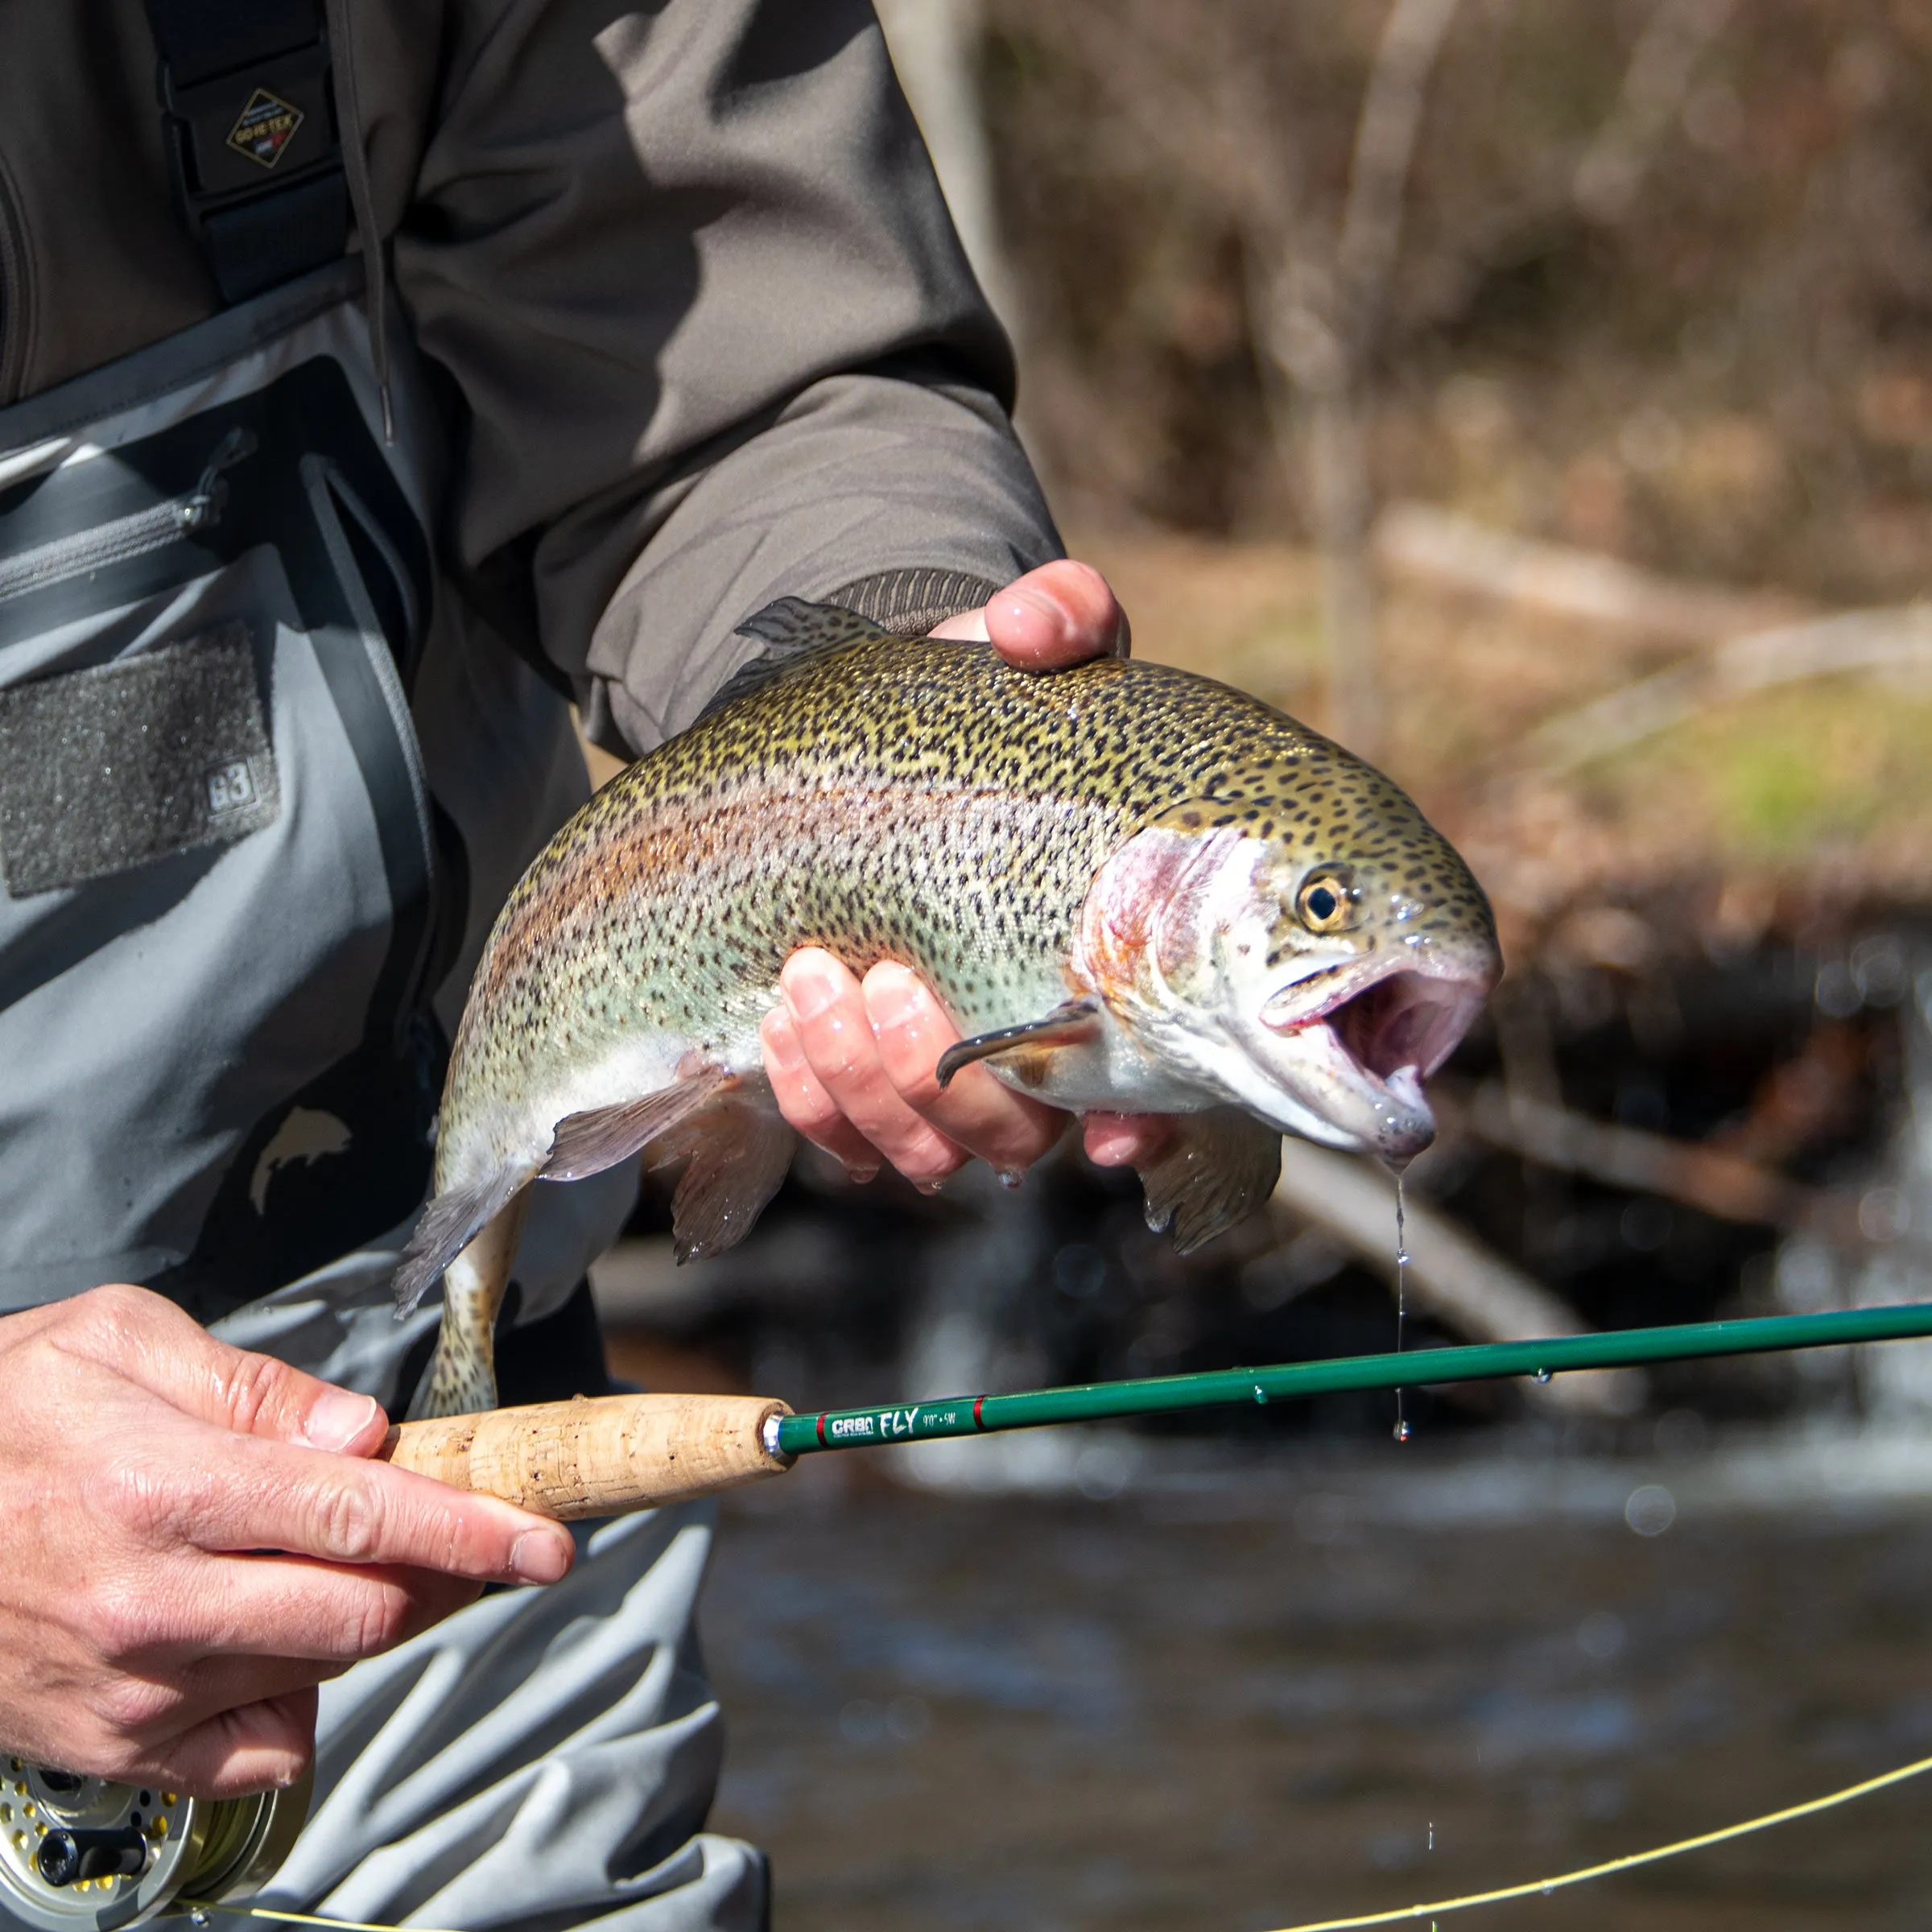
598 1456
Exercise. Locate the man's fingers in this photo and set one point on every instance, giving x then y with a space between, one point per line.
1126 1140
162 1349
289 1607
834 1031
242 1493
968 627
143 1712
805 1104
975 1110
261 1747
1062 613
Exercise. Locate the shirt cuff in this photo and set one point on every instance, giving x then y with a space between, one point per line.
909 602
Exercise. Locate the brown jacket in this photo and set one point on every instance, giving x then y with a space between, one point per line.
708 334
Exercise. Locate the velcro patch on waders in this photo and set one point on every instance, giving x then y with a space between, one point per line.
115 766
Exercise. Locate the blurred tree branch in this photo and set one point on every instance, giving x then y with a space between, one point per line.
1317 314
1657 82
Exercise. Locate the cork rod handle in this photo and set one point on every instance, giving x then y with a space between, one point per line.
596 1455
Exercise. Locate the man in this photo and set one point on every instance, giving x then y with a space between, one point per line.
415 365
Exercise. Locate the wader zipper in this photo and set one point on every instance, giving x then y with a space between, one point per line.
13 289
135 536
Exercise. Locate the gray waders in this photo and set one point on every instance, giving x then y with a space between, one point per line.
264 778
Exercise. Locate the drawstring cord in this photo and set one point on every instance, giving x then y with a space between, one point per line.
355 166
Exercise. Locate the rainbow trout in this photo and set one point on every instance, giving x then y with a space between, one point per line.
1133 888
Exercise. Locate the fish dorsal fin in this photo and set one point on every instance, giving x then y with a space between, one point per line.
793 633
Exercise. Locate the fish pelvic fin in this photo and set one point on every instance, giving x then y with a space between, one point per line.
735 1153
461 1378
1066 1026
448 1225
1216 1168
585 1144
793 633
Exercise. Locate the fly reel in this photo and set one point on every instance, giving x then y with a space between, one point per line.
89 1852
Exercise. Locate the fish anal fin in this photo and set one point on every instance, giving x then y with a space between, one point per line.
447 1225
735 1154
461 1378
793 633
1214 1170
586 1143
1078 1021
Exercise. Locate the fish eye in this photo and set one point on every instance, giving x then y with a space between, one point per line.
1326 901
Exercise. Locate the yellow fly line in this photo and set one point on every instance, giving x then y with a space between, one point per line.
1535 1887
304 1918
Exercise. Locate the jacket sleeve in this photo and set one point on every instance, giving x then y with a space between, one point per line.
713 338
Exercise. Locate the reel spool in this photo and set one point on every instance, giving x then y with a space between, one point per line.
88 1852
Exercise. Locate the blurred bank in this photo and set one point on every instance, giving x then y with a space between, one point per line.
1537 396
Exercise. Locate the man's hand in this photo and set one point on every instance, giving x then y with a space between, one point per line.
853 1065
192 1539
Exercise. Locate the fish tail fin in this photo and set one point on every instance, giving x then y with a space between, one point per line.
1215 1169
736 1152
461 1378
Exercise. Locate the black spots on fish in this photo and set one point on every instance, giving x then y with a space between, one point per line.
917 800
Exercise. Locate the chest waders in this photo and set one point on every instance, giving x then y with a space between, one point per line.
229 894
218 1064
221 861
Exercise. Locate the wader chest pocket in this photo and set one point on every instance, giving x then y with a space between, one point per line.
221 887
115 765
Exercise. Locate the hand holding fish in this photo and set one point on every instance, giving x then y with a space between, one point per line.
853 1065
1136 891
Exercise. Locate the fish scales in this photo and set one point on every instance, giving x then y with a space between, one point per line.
922 801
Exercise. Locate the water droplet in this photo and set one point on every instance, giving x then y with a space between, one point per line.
1542 1375
1260 1395
1547 1887
1402 1296
1011 1177
929 1187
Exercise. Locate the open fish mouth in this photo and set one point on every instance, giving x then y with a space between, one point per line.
1360 1059
1408 1021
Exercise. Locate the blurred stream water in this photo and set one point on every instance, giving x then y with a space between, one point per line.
1230 1700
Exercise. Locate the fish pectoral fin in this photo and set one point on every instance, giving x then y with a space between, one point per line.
1066 1026
448 1225
585 1144
1216 1168
735 1154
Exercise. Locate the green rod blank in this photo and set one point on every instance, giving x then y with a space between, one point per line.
1289 1381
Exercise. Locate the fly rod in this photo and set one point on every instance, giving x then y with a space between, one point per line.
603 1455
